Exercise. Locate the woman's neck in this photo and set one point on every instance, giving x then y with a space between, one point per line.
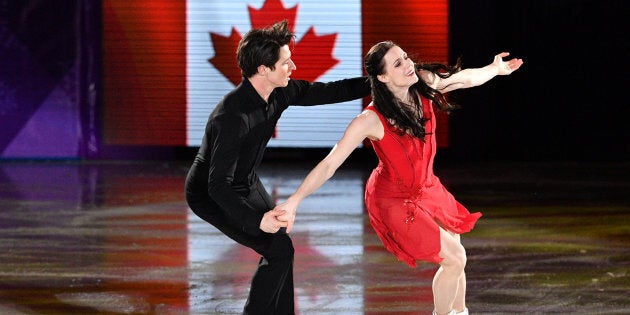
403 95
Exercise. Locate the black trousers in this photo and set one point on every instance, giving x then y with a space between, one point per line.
271 291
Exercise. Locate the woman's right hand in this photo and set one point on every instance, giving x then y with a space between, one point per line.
271 223
290 209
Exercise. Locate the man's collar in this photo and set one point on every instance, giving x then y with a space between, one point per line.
252 94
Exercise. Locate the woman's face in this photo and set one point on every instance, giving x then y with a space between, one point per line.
399 70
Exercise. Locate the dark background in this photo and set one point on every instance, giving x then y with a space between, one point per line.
568 100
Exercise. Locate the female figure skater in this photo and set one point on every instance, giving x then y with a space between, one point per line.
415 217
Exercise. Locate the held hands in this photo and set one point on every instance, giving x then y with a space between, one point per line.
271 223
283 215
506 67
290 209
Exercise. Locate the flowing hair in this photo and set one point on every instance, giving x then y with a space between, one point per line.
406 119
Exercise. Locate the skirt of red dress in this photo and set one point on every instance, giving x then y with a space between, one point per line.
408 223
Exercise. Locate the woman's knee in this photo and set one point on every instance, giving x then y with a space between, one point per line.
455 261
453 253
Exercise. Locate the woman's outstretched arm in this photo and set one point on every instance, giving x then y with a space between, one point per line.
363 126
473 76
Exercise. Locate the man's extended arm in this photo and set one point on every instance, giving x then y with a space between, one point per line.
306 93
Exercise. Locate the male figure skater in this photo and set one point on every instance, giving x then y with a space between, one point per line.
222 186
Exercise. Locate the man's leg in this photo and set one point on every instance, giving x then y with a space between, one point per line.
271 289
272 285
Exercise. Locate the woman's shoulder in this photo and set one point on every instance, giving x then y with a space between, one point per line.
370 122
372 113
371 108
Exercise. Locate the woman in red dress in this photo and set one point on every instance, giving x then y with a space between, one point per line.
415 217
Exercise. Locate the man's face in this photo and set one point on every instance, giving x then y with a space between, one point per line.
279 77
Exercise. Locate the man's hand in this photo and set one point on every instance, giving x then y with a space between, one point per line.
270 222
290 208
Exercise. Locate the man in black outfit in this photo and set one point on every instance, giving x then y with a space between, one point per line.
222 186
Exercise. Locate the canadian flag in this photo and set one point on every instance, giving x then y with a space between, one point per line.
327 47
168 63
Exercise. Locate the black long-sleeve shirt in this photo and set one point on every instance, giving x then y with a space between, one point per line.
239 129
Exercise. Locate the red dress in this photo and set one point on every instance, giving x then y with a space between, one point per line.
406 202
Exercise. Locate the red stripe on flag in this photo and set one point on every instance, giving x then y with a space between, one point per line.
144 57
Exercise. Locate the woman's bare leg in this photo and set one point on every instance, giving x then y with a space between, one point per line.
447 279
459 305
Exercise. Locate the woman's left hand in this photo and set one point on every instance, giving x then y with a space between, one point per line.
506 67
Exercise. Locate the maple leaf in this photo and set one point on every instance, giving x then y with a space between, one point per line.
225 55
312 54
271 12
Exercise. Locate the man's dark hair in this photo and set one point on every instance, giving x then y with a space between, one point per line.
262 47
